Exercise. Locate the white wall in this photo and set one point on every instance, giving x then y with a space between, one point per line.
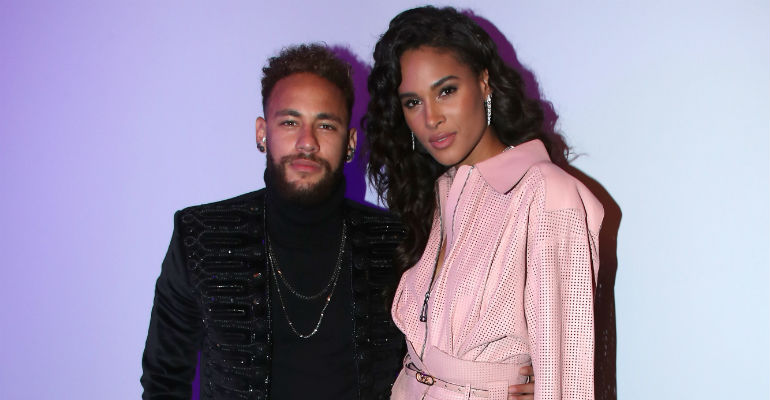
113 115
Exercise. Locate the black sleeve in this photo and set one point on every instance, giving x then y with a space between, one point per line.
174 336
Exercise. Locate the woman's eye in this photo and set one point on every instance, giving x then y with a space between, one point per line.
411 103
446 91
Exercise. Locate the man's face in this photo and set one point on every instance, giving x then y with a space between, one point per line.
307 136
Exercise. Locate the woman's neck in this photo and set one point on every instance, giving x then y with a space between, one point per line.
488 146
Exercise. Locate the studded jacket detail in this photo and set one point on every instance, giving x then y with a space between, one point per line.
212 297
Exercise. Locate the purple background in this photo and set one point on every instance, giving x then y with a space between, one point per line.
113 115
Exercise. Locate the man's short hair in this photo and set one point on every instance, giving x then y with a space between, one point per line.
313 58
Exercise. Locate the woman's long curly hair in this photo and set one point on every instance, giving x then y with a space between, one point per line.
405 178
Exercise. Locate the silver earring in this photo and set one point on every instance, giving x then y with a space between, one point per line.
488 104
261 144
412 141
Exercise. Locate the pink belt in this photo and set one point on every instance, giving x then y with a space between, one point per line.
471 378
412 371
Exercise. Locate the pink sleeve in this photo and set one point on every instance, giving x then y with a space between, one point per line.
562 259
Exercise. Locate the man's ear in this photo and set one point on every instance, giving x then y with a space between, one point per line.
261 128
352 138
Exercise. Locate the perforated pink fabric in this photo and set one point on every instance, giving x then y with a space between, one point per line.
517 279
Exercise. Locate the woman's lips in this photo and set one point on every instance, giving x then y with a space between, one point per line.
442 141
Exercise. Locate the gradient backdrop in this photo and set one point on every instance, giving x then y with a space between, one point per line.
115 114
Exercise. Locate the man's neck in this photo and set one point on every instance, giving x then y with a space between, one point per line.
304 226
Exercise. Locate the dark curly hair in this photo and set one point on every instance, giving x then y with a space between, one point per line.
405 179
313 58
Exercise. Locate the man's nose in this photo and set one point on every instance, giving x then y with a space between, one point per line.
306 141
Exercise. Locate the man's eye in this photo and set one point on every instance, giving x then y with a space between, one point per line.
289 123
328 127
411 103
446 91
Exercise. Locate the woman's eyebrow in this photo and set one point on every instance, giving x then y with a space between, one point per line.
433 86
442 81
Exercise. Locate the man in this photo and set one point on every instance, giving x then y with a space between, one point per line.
285 291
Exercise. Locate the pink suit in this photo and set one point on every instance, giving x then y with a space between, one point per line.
516 284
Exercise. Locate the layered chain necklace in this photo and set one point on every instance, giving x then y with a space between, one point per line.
278 274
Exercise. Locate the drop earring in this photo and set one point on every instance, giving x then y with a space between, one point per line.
412 141
488 104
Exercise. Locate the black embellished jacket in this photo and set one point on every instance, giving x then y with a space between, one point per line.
212 297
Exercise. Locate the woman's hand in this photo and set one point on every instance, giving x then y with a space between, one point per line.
524 391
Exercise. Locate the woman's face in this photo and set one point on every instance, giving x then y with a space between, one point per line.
443 103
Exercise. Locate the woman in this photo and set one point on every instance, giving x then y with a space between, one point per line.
501 245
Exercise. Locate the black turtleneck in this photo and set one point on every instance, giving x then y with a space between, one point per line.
306 242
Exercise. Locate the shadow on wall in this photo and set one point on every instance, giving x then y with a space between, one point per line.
355 171
604 303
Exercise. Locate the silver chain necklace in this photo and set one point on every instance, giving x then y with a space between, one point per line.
275 268
277 272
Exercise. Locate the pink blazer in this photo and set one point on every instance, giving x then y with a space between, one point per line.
516 285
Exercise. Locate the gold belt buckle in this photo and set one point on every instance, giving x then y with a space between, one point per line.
424 379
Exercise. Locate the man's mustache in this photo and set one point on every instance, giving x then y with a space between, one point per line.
309 157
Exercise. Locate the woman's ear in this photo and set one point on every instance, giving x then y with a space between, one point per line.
484 82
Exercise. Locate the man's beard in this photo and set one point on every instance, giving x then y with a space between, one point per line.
310 193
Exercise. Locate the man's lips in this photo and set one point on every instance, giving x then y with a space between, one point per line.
305 165
442 140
